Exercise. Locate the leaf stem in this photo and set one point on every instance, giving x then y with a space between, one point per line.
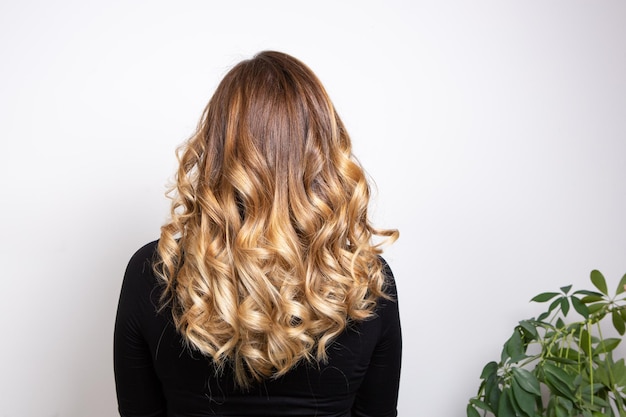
590 355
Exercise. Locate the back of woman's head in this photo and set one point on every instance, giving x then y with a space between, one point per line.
269 249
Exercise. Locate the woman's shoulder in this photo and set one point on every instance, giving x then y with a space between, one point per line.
140 269
389 287
147 251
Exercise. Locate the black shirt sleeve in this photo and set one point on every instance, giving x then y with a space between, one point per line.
139 392
378 394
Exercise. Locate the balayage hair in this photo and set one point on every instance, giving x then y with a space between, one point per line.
269 252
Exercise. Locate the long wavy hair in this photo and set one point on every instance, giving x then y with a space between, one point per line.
269 253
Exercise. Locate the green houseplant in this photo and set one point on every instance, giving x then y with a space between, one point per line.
554 366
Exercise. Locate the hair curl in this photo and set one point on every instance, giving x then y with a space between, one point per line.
269 252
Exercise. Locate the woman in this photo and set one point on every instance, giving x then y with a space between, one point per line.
265 294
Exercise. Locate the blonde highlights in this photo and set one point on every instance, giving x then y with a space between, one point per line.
269 252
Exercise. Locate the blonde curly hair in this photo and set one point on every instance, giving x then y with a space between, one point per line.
269 252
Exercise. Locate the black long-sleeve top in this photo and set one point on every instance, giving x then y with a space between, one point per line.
157 375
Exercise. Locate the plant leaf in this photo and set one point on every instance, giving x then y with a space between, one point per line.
566 289
598 402
607 345
492 392
561 411
559 387
560 324
598 280
594 308
619 372
584 342
561 376
526 380
516 408
587 292
592 298
588 389
513 348
480 404
621 287
505 408
490 369
543 316
524 399
554 304
618 322
471 411
564 305
564 408
602 375
580 307
544 296
558 359
530 329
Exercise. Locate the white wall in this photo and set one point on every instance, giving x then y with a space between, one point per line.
495 131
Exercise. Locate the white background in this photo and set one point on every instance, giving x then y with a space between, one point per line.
495 132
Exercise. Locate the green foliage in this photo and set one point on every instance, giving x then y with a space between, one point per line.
551 367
